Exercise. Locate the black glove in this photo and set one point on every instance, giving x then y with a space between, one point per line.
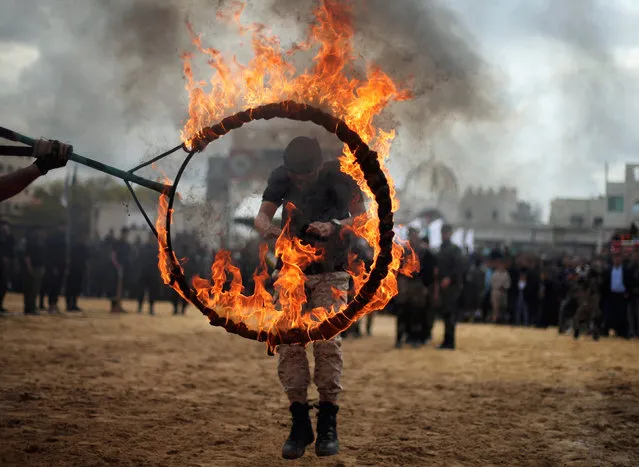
51 154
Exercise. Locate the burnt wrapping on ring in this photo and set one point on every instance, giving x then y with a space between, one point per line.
376 181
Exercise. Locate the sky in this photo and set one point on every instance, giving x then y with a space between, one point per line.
538 94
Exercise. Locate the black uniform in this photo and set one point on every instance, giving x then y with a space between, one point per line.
55 266
450 264
322 200
35 255
426 317
149 280
78 259
6 256
121 250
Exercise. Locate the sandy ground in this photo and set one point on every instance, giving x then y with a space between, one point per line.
138 390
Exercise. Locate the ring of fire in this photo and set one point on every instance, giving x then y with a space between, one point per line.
376 181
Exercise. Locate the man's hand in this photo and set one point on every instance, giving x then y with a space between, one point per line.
272 233
323 229
445 282
51 154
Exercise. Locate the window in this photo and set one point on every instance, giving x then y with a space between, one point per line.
635 207
636 171
469 214
495 215
576 221
597 221
1 168
615 204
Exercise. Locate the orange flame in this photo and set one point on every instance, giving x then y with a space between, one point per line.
271 77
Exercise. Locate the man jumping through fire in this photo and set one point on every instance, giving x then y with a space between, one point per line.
326 200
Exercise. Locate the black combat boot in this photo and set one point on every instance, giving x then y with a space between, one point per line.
301 432
327 443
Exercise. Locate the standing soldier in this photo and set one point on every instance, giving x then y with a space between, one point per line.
587 293
428 274
55 265
149 280
7 245
450 266
78 262
120 251
411 299
33 269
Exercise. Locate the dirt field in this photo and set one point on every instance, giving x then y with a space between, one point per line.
139 390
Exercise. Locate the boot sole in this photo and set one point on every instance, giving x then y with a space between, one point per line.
294 456
326 453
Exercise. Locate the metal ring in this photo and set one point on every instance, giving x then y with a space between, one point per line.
377 183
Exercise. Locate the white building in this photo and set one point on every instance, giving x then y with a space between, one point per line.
616 210
485 206
576 212
622 206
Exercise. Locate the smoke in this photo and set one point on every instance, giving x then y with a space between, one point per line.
511 92
421 43
596 87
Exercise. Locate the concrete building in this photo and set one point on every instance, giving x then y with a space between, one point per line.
622 199
479 205
579 213
616 210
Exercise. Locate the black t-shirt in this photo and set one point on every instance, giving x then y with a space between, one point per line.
78 256
34 250
328 197
56 248
148 259
122 251
6 246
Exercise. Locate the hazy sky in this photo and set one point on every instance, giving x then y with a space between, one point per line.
533 93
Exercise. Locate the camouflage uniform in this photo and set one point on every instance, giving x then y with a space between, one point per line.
293 368
588 313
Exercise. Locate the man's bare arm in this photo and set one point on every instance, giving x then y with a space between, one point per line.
49 155
13 183
264 220
356 208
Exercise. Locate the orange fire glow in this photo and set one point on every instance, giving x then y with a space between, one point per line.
329 84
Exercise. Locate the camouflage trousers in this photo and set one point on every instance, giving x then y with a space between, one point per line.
588 313
293 367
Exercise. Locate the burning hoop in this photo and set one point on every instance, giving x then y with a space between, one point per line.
377 183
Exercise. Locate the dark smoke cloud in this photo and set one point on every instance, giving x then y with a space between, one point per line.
111 67
109 73
109 78
423 41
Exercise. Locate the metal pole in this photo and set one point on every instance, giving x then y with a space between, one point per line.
155 186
